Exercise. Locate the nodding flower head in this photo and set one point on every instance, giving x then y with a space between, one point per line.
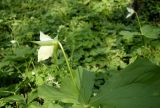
46 51
13 41
130 12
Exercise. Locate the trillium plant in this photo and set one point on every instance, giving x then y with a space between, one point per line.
130 13
49 47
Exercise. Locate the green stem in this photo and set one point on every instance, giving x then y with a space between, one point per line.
140 28
55 54
66 59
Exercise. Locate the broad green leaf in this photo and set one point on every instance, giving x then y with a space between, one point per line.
150 31
128 34
78 106
5 92
34 105
14 98
86 85
45 105
31 96
69 92
137 86
50 105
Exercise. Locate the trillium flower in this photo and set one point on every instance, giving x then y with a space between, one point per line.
47 48
13 41
130 12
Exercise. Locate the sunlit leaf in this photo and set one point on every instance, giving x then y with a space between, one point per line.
49 104
86 85
150 31
137 86
69 92
14 98
34 105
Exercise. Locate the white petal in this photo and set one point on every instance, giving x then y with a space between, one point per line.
129 15
13 41
44 37
45 52
130 10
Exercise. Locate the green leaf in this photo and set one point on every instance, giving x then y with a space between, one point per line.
86 85
5 92
137 86
69 92
31 96
78 106
150 31
3 64
45 105
128 34
14 98
34 105
51 105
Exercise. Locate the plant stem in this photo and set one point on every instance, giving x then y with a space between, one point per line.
55 54
140 28
66 59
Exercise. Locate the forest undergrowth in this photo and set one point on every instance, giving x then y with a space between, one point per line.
79 54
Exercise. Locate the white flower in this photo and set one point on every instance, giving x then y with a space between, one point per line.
50 78
13 41
57 84
45 52
33 73
130 12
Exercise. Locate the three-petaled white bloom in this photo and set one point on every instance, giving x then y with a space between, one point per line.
45 52
130 12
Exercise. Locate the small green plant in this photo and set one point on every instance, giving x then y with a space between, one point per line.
97 66
130 13
49 48
120 91
148 31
